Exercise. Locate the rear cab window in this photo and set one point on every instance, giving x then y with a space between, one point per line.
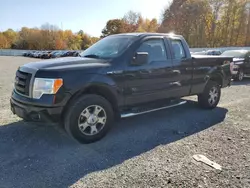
178 49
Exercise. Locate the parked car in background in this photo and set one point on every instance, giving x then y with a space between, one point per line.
64 54
208 52
30 54
35 54
199 53
43 54
51 54
46 55
241 59
57 54
40 53
213 52
75 54
25 54
71 53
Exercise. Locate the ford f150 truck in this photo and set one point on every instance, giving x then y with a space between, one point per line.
120 76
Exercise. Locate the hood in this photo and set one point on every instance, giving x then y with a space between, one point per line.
66 63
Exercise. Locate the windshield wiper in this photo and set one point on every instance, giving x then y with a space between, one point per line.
92 56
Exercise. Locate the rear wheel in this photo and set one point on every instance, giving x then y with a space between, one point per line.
210 98
89 118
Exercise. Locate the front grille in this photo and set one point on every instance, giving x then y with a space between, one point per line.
22 82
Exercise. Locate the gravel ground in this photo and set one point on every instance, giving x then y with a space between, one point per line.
153 150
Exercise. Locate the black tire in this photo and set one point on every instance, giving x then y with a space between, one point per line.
239 76
204 99
73 114
25 119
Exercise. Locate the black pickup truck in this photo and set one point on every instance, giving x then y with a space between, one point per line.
120 76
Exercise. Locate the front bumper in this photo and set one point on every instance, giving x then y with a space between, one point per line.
35 113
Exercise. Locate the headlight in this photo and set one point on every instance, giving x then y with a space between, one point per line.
46 86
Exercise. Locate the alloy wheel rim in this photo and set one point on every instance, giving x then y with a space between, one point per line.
92 120
241 75
213 96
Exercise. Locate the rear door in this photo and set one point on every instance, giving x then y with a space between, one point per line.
182 66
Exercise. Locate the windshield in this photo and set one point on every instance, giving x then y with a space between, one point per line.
108 47
237 54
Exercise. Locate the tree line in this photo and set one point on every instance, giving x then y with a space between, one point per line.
47 37
203 23
209 23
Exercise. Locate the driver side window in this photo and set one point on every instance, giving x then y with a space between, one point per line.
155 49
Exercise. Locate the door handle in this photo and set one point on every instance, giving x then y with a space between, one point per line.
115 72
177 71
189 68
146 71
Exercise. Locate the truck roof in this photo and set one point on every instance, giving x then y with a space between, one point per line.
150 34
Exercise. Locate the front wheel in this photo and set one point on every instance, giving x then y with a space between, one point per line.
89 118
210 97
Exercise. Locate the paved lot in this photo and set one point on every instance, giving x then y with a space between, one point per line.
153 150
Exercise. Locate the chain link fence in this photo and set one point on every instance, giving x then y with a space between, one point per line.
11 52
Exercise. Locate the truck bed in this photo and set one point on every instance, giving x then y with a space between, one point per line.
210 60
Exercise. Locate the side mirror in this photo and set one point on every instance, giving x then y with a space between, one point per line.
140 58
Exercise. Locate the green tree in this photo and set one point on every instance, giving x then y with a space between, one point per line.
171 17
115 26
132 20
11 37
85 40
3 41
146 25
209 23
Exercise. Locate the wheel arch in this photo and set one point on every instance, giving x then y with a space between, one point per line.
216 78
104 90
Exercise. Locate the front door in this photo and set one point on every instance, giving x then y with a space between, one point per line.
152 80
